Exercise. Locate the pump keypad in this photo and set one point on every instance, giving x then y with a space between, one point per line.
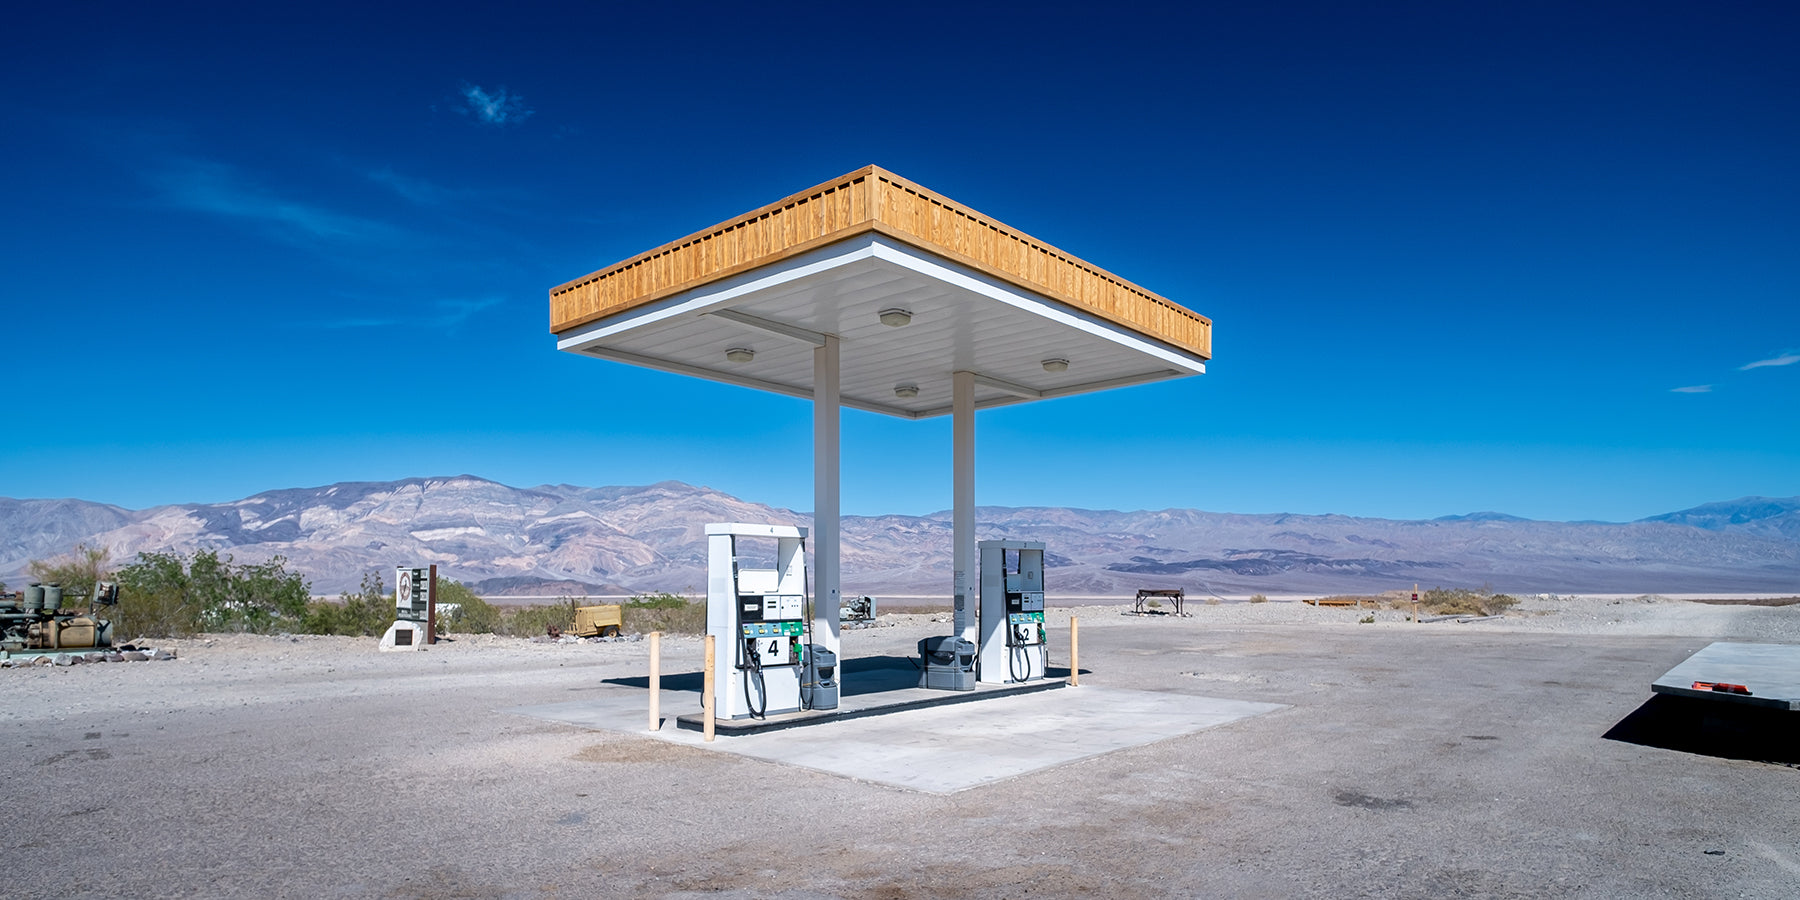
774 629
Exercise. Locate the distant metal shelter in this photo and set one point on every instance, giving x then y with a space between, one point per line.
872 292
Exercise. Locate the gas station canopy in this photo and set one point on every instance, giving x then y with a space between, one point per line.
914 286
872 292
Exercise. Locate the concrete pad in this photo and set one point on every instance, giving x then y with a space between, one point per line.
1770 671
865 705
871 685
943 749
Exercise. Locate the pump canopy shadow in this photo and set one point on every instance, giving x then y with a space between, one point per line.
873 292
863 676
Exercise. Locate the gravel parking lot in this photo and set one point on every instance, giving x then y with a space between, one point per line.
1414 760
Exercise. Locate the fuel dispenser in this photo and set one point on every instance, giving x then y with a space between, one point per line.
757 618
1013 647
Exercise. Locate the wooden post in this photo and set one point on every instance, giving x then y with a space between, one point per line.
431 607
1415 604
655 681
1074 653
707 705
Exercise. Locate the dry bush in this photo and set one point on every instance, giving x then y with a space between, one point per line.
462 612
688 618
166 594
1259 598
76 572
531 621
362 613
1466 602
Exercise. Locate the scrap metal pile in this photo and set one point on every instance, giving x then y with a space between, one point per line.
34 623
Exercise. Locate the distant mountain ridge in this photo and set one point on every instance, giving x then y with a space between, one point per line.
571 539
1769 516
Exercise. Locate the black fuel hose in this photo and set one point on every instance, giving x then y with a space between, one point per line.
754 665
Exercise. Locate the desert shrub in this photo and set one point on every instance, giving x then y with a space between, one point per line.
1465 602
667 612
472 614
167 594
321 617
531 621
1259 598
77 571
153 600
361 613
368 612
659 600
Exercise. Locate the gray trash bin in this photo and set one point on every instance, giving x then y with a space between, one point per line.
819 679
948 663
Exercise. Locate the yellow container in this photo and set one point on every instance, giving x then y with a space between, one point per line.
595 621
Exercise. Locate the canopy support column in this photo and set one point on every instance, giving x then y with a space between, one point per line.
826 480
962 455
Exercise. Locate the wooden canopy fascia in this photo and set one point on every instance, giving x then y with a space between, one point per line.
873 200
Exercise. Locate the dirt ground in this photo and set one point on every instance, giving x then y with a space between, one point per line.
1436 760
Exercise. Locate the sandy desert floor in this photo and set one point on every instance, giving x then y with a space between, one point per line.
1414 760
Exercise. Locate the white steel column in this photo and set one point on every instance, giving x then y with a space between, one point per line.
825 495
962 456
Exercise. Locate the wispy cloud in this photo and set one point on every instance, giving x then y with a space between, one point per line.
1692 389
1787 358
455 312
497 107
415 190
447 314
462 197
221 190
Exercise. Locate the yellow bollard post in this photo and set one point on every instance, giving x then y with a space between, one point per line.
1074 653
655 681
707 705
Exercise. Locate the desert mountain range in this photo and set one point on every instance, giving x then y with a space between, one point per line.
556 539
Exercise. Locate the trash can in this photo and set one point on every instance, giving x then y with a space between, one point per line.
947 663
818 680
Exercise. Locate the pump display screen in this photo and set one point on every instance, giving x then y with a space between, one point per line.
1026 601
771 607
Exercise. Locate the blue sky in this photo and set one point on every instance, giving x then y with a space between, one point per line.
1535 258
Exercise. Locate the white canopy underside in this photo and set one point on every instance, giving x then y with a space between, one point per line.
962 320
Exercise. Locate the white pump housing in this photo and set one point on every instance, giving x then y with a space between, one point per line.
757 617
1012 648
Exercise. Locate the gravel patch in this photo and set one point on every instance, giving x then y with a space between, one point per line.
1414 760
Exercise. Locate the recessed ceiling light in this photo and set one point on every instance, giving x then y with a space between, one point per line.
894 317
906 391
1056 365
740 354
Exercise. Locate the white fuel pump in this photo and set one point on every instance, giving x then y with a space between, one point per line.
757 617
1013 647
